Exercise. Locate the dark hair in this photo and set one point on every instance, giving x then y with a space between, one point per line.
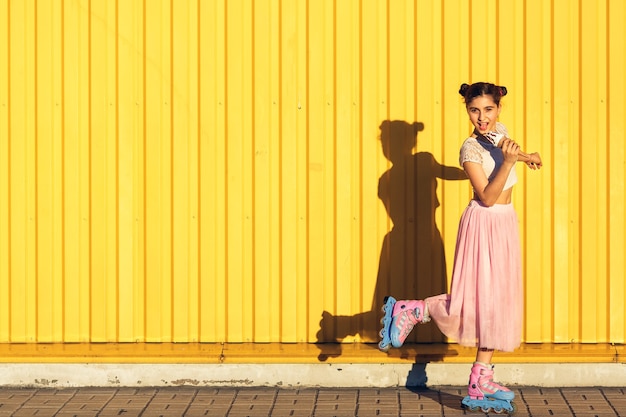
470 92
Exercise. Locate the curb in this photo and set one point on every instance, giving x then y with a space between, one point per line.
65 375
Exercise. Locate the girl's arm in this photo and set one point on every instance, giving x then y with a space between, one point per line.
533 160
489 191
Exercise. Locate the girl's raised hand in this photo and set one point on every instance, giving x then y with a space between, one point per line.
534 161
510 150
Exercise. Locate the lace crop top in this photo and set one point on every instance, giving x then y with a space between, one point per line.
488 155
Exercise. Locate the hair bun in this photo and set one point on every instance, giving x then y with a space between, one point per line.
463 89
418 127
503 90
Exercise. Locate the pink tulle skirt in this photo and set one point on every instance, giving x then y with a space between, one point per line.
484 307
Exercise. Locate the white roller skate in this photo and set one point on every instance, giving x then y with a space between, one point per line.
399 319
486 396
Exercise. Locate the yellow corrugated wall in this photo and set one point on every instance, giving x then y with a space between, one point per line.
245 171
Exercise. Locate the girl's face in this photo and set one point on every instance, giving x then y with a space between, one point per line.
483 113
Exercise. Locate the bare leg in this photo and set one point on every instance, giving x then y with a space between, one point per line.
484 355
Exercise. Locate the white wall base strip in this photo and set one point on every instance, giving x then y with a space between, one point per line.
303 375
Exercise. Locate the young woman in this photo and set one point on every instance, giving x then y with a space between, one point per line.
484 307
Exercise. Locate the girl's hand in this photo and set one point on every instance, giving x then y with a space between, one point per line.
534 161
510 150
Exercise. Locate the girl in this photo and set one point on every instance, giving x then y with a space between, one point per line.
484 307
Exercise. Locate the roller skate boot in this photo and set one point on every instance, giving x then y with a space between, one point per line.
486 396
399 319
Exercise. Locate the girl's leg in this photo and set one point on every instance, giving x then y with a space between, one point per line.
484 355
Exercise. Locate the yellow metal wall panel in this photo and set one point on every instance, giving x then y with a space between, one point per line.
130 168
373 217
216 165
319 242
261 171
535 199
5 168
300 96
104 197
237 121
49 174
266 149
185 172
593 227
616 126
565 189
158 232
288 171
22 174
76 208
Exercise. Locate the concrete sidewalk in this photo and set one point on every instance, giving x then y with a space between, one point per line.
317 402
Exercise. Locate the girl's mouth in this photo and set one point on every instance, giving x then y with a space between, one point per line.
483 126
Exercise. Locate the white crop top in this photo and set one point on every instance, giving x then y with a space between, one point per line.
488 155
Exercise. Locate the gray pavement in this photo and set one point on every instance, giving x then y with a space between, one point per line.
317 402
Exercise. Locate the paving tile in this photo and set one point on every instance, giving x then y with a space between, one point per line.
118 413
214 402
122 411
172 409
47 401
287 412
335 407
12 402
172 399
614 393
127 403
304 392
83 406
250 413
256 397
379 401
338 396
208 412
422 408
618 404
92 397
207 399
31 412
250 409
413 414
552 410
375 412
136 391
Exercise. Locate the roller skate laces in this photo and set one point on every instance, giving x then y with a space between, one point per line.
399 319
486 395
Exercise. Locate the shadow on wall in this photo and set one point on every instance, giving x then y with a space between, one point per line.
412 261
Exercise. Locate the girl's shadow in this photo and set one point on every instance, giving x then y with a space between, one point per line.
412 261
